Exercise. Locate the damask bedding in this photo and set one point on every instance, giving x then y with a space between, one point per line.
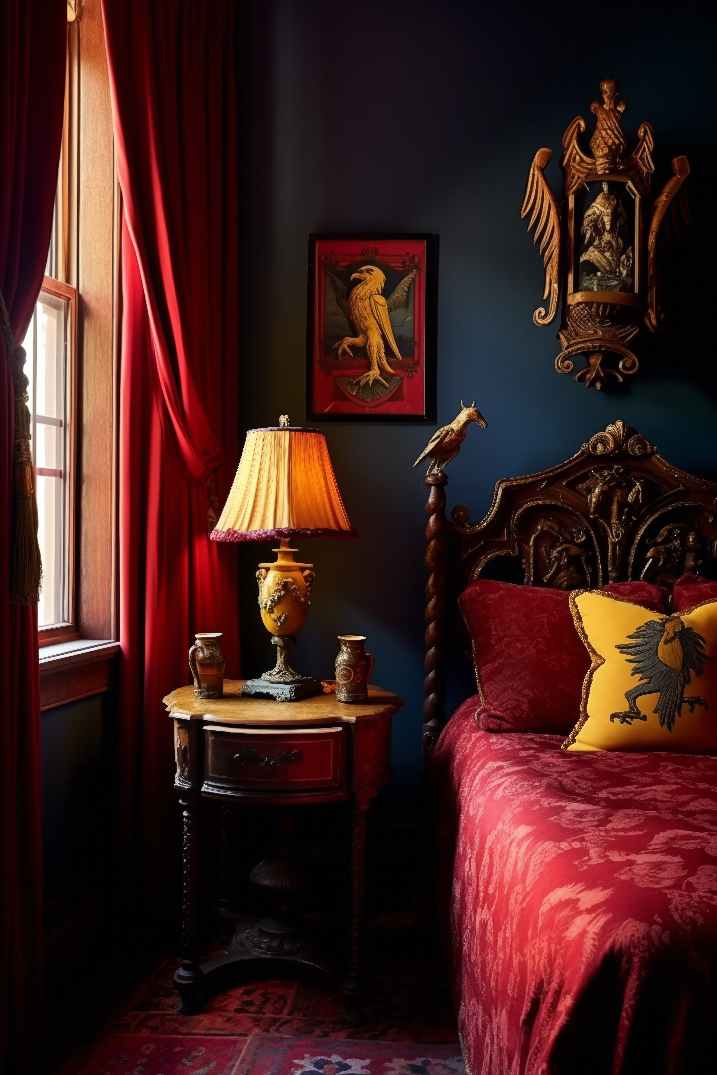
583 905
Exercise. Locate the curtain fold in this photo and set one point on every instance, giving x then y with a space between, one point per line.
174 98
32 61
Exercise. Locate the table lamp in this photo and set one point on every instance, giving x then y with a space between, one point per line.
284 488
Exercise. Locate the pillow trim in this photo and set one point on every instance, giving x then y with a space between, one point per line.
474 655
597 661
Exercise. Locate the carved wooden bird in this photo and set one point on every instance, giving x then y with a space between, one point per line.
446 442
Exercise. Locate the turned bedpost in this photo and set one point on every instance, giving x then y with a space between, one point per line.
436 536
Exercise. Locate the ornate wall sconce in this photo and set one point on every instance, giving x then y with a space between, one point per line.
605 234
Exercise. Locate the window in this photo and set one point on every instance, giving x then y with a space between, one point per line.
50 346
51 369
71 346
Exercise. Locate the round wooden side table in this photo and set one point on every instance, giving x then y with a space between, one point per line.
245 751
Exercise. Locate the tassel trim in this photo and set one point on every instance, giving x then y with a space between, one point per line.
26 563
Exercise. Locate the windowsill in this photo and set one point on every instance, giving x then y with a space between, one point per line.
71 671
78 651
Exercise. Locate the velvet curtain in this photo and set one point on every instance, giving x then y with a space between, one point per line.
32 62
174 97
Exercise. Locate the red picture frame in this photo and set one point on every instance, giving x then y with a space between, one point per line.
371 327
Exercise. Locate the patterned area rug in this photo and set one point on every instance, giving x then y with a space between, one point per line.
266 1054
273 1026
272 1054
136 1054
402 1005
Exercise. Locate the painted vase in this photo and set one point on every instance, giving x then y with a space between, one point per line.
353 669
206 663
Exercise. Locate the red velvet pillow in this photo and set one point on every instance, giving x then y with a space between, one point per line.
528 659
691 590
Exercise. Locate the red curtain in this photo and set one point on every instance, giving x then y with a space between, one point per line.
174 96
32 62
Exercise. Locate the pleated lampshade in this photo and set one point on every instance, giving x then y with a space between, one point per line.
284 487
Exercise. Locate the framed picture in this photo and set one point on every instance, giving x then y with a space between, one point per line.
372 327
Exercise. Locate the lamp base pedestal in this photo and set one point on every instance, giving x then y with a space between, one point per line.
282 683
303 687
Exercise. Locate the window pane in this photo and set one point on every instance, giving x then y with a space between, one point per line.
52 259
47 347
51 531
29 343
49 445
50 372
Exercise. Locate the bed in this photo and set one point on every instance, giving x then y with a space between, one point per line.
583 887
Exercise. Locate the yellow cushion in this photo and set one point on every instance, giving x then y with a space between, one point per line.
652 684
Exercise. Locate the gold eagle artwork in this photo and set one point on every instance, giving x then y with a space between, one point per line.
665 654
368 313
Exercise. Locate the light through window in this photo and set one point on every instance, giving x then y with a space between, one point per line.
49 346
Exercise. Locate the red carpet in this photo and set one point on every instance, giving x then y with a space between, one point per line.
135 1054
271 1054
266 1054
401 1005
272 1027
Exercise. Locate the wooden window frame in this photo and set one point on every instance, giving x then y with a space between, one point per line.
87 240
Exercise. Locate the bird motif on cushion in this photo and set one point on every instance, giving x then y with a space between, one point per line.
665 654
446 442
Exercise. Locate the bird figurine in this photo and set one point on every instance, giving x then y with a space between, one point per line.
446 442
665 655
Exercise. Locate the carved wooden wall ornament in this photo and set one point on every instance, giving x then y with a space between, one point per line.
599 251
616 510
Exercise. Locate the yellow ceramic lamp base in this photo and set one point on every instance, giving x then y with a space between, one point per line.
284 599
284 592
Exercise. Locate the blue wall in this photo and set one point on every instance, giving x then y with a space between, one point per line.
425 117
77 831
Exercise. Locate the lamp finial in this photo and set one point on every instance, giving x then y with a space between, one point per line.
283 421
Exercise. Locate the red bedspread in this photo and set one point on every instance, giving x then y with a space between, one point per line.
584 905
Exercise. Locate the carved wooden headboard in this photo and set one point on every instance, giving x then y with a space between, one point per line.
614 511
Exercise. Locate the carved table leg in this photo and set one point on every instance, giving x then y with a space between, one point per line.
188 976
358 870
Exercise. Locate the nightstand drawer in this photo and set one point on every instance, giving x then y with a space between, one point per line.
273 760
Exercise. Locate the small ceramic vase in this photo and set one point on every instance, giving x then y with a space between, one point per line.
353 669
206 663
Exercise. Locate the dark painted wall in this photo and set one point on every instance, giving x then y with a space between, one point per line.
425 117
77 831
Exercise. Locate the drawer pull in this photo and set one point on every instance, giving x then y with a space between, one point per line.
252 756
